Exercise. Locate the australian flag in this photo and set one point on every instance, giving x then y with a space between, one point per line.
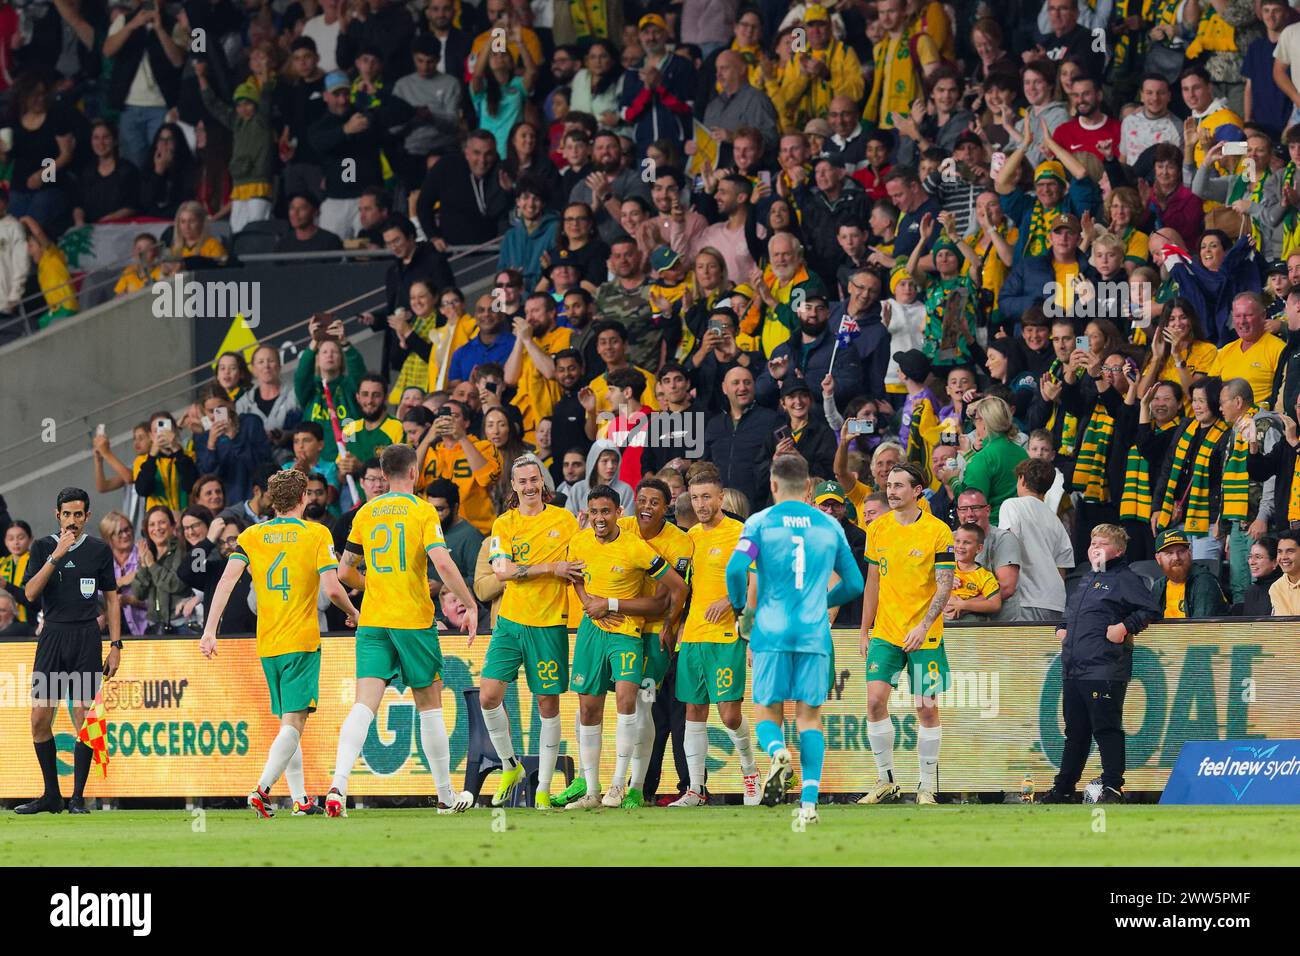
848 330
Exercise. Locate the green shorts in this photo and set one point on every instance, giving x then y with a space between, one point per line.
543 653
927 670
412 656
601 658
656 658
294 681
711 673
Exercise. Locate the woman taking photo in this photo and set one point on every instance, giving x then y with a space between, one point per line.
498 94
115 528
168 600
227 445
268 400
423 340
1179 350
598 86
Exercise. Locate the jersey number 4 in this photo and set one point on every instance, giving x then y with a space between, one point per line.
378 550
283 584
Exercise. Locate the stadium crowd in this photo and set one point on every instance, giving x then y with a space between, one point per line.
1050 254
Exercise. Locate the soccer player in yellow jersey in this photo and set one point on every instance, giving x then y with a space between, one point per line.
528 553
659 636
711 662
910 571
290 561
397 535
609 650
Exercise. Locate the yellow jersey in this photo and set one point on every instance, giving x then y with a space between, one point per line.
907 556
14 571
536 395
617 569
394 533
475 487
1256 364
1175 599
978 582
286 557
673 545
527 540
712 551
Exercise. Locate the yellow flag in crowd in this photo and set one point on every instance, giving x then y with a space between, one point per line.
706 151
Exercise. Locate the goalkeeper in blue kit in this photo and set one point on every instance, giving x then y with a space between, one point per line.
793 548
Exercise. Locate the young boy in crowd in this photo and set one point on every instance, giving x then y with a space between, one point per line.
975 589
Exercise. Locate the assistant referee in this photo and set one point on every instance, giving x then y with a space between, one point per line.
65 571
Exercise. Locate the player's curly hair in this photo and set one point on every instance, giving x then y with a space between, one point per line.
286 489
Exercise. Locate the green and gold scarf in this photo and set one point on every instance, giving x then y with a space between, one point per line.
1291 219
1090 468
1135 503
1038 243
415 370
1236 476
1197 517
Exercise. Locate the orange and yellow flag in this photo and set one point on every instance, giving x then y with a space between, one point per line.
94 732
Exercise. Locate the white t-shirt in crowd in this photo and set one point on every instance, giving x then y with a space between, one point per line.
326 37
1288 51
1044 548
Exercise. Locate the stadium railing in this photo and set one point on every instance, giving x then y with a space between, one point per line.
31 456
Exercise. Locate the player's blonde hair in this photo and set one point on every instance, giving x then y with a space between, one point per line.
285 490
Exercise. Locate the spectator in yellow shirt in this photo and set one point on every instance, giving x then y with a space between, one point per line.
143 269
825 69
51 273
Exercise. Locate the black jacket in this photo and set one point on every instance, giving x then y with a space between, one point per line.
204 575
1080 399
1257 603
459 221
817 446
390 31
141 43
332 146
1103 598
743 450
1184 480
1278 461
427 265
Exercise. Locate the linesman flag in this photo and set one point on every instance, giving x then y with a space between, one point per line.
94 732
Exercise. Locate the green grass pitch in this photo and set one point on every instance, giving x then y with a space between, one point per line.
902 835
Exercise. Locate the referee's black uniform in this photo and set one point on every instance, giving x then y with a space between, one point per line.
69 652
